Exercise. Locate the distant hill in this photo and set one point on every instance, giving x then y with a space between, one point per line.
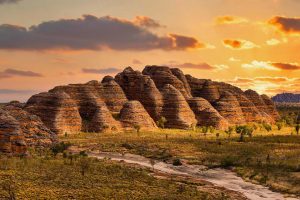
287 98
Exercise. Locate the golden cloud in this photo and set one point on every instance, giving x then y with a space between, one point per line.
239 44
271 65
230 20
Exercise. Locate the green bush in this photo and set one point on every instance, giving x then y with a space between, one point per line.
267 127
60 147
161 122
177 162
244 131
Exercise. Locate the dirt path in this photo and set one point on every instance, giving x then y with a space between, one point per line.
219 177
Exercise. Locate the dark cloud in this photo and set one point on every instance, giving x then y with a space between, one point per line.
8 1
9 91
286 66
100 71
285 24
9 73
147 22
91 33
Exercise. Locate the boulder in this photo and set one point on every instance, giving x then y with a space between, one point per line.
176 109
206 114
134 114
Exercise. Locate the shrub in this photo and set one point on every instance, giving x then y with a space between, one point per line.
211 129
227 162
268 127
279 125
244 131
161 122
177 162
60 147
204 129
229 131
84 165
137 128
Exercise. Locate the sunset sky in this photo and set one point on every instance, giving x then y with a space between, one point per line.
249 43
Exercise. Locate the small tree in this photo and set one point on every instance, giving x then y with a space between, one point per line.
137 127
211 129
279 125
229 131
193 126
244 131
161 122
84 165
297 128
60 148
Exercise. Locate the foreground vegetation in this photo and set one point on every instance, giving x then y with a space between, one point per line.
46 176
266 157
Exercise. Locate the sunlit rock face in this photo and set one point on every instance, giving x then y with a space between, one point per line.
33 129
130 99
57 110
133 115
229 107
12 140
271 109
162 75
112 94
141 88
206 114
176 109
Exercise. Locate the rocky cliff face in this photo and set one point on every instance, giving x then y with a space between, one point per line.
133 98
20 129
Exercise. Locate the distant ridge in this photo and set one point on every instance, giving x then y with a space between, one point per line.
287 98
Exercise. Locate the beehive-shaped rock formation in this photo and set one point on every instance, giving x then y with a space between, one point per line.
33 129
133 115
112 94
176 109
162 75
210 91
57 110
229 107
206 114
271 109
141 88
12 140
